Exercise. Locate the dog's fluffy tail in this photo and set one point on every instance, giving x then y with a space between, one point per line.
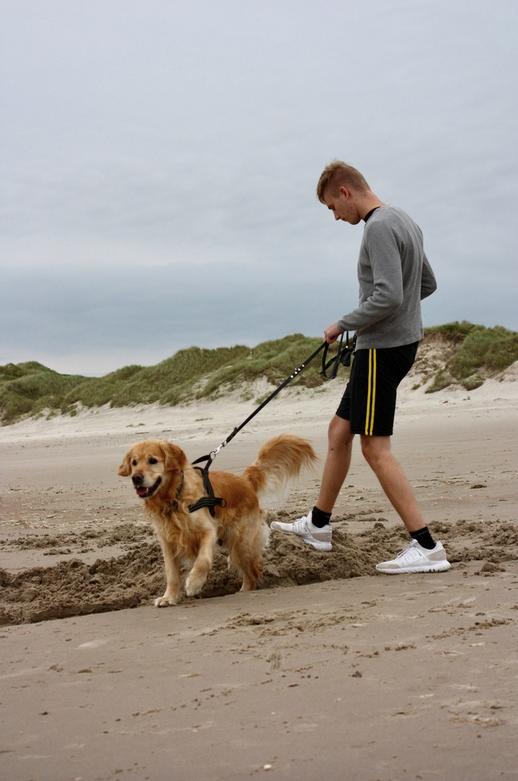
280 461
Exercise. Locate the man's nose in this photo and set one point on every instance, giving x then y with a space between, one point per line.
137 479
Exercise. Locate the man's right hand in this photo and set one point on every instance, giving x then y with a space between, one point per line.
332 332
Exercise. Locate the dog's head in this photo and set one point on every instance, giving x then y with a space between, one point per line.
152 465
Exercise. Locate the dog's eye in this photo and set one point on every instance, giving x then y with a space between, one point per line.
152 460
134 462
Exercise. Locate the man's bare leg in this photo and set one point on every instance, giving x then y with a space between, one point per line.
425 556
393 480
338 461
340 440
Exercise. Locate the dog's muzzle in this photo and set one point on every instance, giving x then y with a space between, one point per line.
142 490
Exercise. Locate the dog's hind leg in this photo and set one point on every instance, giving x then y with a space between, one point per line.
247 555
252 570
202 564
172 575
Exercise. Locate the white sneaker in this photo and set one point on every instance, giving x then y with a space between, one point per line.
310 534
415 558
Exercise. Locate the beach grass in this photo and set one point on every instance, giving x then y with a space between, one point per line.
480 353
28 388
31 389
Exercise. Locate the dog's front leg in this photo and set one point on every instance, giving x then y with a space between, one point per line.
172 575
202 564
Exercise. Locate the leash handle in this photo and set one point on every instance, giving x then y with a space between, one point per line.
343 356
332 362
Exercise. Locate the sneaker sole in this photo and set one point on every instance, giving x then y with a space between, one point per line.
321 546
441 566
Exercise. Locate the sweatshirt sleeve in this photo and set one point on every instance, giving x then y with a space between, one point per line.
387 294
428 281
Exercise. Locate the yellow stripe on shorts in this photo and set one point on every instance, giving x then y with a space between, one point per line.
371 393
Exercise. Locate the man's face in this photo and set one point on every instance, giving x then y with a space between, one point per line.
342 204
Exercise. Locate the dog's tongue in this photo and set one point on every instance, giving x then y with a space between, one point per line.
142 491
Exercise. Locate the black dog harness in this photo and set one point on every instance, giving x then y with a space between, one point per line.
209 501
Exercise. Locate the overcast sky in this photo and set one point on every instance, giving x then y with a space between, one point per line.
159 160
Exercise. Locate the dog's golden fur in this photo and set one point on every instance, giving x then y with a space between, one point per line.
167 482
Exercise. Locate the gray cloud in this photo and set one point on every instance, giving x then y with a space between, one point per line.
163 159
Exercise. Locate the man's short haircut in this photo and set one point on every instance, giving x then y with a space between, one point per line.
339 174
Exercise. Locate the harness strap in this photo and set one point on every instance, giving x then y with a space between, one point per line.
207 501
210 501
201 459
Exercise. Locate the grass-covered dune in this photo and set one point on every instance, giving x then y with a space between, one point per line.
30 388
27 389
478 353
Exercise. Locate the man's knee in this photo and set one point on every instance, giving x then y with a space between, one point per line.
339 433
375 450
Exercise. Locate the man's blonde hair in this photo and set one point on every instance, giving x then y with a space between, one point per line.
339 174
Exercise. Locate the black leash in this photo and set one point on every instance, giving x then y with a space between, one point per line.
344 354
342 358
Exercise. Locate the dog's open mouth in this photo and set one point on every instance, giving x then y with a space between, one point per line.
145 492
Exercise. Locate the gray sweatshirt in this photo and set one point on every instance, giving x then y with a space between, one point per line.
394 276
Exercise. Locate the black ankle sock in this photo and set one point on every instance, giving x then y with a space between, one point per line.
320 518
424 538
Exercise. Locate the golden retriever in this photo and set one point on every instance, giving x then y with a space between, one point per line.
163 477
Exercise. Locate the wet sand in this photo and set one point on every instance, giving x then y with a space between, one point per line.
330 670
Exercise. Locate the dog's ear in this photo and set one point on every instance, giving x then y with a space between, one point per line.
125 467
174 457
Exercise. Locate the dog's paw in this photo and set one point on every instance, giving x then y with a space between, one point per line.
165 601
194 584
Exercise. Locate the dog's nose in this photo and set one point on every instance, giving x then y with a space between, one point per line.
137 479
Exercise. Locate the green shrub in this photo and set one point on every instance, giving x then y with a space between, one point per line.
442 379
28 388
453 332
486 349
480 352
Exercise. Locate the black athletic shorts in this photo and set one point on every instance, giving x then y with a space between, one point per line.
369 401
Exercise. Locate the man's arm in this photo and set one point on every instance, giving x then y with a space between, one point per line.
428 281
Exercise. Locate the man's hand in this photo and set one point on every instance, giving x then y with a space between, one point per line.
332 333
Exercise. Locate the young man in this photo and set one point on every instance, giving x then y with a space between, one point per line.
394 275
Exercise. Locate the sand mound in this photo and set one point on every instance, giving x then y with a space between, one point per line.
73 587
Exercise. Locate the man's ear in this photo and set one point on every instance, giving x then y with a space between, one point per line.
174 457
125 468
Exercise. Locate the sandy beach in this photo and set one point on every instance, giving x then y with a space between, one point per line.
328 671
